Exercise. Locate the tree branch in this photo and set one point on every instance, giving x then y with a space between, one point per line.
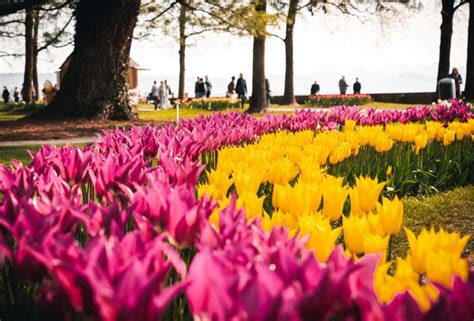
11 6
164 11
53 40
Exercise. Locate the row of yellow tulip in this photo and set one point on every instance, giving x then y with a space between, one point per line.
280 181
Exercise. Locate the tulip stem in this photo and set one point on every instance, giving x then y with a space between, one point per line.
389 251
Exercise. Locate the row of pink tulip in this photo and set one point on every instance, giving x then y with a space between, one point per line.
103 225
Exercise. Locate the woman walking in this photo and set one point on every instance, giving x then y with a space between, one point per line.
163 94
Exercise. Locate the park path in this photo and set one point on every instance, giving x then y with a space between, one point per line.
75 140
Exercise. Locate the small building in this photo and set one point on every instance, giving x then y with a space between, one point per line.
133 69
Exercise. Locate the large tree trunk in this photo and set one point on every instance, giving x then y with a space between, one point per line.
182 50
258 102
447 14
35 54
289 95
28 74
96 82
469 89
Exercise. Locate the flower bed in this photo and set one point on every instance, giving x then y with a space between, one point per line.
210 103
338 100
113 231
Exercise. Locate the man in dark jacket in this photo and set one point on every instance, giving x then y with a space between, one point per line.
457 80
314 88
241 89
357 87
343 85
5 95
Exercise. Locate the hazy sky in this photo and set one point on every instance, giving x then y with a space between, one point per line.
326 46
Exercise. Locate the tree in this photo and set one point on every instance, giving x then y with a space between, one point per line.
289 94
295 7
45 26
191 18
30 40
95 84
448 9
258 101
469 89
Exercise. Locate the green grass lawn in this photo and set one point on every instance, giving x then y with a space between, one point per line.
11 115
8 153
453 210
380 105
170 114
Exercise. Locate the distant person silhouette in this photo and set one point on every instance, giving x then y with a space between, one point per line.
5 95
16 95
268 92
241 89
231 89
457 80
155 94
208 84
343 85
357 87
315 88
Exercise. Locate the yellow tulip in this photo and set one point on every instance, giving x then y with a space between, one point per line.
334 197
247 181
355 228
421 141
374 243
208 190
438 255
389 171
220 179
369 191
322 237
355 204
349 125
448 137
252 203
391 215
419 248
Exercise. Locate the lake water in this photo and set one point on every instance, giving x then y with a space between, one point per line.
371 82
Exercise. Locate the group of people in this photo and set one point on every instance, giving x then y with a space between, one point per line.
239 90
202 87
160 95
357 87
6 95
48 90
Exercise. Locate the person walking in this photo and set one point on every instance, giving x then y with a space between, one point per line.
457 81
241 89
208 86
357 87
169 96
196 88
268 91
343 85
315 88
231 90
5 95
163 94
155 94
16 95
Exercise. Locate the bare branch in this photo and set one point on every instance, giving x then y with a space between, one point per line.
11 6
164 11
58 35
